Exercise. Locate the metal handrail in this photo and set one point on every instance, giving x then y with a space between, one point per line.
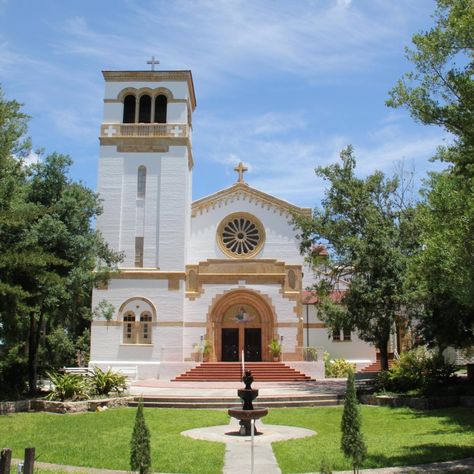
242 363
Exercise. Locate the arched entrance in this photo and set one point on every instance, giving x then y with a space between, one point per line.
241 320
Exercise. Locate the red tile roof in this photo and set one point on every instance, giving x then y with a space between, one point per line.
310 297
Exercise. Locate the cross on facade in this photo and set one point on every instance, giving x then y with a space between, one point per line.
241 169
176 131
153 61
110 131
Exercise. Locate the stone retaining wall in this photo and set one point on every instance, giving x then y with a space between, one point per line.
418 403
14 407
77 407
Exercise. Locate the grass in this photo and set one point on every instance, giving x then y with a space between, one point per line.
60 471
394 437
102 440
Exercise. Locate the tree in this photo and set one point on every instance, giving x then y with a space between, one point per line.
443 273
78 256
440 91
352 441
50 256
369 228
140 457
15 213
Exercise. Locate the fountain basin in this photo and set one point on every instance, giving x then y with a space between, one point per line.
245 418
247 415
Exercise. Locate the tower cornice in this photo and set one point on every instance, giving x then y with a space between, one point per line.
153 76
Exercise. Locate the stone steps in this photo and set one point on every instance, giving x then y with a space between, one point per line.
375 367
229 402
231 371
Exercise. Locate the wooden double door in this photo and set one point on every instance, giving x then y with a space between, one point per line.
234 340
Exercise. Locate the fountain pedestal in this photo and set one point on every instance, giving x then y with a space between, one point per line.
247 413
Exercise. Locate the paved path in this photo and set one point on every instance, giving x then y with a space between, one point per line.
466 465
238 458
229 389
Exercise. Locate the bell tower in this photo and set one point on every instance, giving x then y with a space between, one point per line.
145 166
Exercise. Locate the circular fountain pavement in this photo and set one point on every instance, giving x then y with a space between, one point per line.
229 433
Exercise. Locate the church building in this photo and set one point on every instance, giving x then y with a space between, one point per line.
223 272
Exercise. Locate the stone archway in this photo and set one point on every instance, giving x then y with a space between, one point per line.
248 319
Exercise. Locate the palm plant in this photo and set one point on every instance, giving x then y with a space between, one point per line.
104 382
68 387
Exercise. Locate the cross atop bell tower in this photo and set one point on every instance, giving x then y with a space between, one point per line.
153 62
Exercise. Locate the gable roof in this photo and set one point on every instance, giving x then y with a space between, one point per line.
245 192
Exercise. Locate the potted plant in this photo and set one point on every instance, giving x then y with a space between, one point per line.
275 349
206 350
310 354
203 350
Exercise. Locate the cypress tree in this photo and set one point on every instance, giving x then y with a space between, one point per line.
352 442
140 457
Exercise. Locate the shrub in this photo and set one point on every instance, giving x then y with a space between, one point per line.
103 383
140 458
416 369
337 368
327 364
325 467
352 441
68 387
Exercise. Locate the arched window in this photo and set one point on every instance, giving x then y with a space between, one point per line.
129 105
129 329
145 328
137 329
144 112
141 182
161 103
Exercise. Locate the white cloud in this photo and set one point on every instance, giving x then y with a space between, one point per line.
32 158
11 60
282 162
73 125
237 38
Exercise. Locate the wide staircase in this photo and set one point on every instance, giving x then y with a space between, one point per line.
375 367
232 371
225 402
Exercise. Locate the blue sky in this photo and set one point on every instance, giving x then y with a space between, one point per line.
281 85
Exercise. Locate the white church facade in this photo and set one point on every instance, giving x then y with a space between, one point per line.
225 269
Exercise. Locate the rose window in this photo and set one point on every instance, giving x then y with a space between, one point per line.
240 235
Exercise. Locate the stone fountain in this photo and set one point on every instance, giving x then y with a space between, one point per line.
247 413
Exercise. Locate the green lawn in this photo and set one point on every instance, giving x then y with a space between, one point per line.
394 437
103 439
